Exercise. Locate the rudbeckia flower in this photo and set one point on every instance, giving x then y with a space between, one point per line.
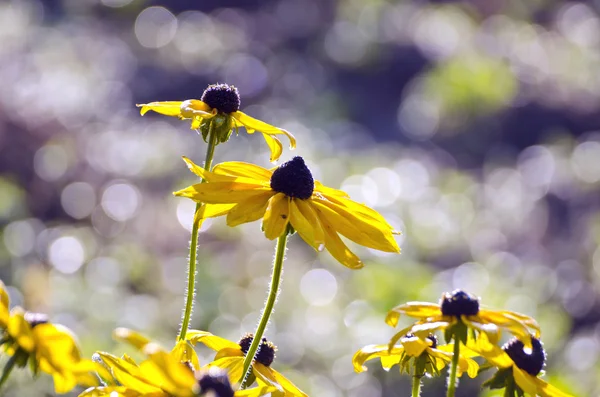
51 348
162 374
219 105
518 367
288 195
458 310
230 357
416 356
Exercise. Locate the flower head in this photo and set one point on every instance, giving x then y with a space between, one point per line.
219 109
230 357
458 311
288 195
51 348
416 356
163 373
519 367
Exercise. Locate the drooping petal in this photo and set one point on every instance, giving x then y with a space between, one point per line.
19 329
249 210
275 147
234 366
206 175
255 391
133 338
245 170
339 250
491 330
412 309
545 389
525 381
397 336
211 341
172 375
414 346
277 216
269 373
222 192
195 108
183 351
305 221
355 227
253 124
515 326
168 108
428 327
129 375
373 351
328 191
491 352
4 306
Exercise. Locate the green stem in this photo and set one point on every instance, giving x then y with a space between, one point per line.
416 386
509 390
191 287
264 320
453 368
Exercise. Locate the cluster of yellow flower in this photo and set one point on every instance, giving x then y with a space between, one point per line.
288 200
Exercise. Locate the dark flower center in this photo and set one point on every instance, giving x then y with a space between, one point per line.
293 179
35 318
266 349
223 97
215 380
533 362
459 303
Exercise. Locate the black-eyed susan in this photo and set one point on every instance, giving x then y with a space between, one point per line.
288 195
458 311
163 374
219 106
49 348
519 367
230 357
416 356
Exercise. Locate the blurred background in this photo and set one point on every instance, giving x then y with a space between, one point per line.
473 126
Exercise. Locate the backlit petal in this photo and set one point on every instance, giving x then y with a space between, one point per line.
327 191
168 108
253 124
234 366
183 351
129 375
525 381
373 351
241 169
20 330
133 338
275 147
174 376
194 107
305 221
412 309
277 216
491 330
339 250
414 346
206 175
545 389
211 341
4 305
250 210
222 192
290 389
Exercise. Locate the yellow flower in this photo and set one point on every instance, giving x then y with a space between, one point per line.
230 357
426 357
518 367
50 348
289 195
163 374
458 311
220 106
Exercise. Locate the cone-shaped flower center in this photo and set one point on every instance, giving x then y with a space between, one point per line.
293 179
532 362
35 318
223 97
459 303
266 349
214 382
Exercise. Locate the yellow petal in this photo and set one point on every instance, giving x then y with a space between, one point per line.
414 346
505 320
20 330
4 306
277 216
373 351
412 309
172 375
525 381
222 192
491 352
289 387
229 352
211 341
305 221
354 226
245 170
255 391
234 366
183 351
194 108
253 124
204 174
275 147
133 338
428 327
545 389
129 375
490 329
397 336
249 210
168 108
328 191
339 250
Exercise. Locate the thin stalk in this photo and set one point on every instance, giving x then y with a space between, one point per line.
452 379
509 390
266 314
191 287
416 386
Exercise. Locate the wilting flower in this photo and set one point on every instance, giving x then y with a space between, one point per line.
416 357
288 195
458 310
50 348
220 106
162 374
230 357
518 367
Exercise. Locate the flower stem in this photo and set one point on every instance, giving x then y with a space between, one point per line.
268 310
191 287
416 386
453 368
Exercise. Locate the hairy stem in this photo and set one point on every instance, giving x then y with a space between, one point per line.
191 287
264 320
416 386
